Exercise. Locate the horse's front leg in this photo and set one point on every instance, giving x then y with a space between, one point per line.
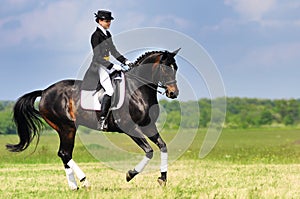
162 180
153 135
141 141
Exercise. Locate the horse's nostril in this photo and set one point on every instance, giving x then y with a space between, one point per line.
172 95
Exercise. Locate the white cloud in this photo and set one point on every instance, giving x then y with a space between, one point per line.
282 55
267 13
57 24
170 20
61 24
44 23
11 7
252 10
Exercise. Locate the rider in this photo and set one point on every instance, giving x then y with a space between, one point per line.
101 58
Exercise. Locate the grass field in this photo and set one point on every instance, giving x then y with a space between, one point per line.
257 163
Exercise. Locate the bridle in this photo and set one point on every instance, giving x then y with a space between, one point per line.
161 83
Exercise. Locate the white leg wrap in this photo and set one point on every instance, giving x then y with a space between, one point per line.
71 179
79 173
140 167
164 162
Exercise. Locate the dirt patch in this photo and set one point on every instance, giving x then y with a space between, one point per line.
297 142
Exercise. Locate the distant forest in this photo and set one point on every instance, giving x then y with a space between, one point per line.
240 113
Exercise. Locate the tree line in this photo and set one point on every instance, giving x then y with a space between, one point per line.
240 113
6 123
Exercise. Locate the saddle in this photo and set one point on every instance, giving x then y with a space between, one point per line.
90 99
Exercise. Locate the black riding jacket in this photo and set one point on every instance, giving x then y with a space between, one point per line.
102 46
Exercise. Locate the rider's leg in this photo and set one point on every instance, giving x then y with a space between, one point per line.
105 81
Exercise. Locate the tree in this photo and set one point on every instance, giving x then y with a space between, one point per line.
266 117
6 124
288 120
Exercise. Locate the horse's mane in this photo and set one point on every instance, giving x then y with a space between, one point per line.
143 56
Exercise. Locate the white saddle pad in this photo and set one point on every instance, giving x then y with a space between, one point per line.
90 100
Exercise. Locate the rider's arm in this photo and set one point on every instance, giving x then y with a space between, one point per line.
113 50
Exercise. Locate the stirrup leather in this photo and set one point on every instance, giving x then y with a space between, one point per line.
101 125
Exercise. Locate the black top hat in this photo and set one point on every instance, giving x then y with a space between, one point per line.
103 15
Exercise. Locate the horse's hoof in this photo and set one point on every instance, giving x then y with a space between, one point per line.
86 185
74 188
162 182
130 175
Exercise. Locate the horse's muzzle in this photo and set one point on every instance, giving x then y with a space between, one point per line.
172 91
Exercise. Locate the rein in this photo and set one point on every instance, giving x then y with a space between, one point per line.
147 83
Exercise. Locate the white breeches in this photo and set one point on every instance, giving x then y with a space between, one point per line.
105 80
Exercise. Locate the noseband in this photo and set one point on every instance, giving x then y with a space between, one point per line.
169 83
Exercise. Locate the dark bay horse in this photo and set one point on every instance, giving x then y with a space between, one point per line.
59 106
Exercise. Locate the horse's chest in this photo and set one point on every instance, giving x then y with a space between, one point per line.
144 112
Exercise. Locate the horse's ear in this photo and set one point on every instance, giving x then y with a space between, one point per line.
175 52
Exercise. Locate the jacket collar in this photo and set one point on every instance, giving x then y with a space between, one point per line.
103 30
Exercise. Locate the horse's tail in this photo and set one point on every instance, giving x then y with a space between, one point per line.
27 121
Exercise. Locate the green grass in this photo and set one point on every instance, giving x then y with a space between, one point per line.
253 163
46 151
234 146
187 179
280 146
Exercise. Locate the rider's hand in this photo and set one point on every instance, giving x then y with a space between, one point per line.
117 67
128 63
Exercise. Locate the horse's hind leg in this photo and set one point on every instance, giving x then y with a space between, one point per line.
66 147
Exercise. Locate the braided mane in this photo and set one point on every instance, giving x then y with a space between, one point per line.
143 56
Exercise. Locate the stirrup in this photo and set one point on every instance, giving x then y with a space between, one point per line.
101 124
118 78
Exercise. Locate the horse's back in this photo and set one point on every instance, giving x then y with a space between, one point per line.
64 84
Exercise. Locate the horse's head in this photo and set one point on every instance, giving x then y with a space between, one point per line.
162 66
166 74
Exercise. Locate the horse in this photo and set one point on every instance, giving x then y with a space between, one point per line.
59 106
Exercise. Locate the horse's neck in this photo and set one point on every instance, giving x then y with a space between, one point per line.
140 77
144 69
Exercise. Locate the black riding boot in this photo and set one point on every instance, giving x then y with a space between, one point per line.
105 105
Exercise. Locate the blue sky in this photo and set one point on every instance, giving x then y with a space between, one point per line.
255 44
